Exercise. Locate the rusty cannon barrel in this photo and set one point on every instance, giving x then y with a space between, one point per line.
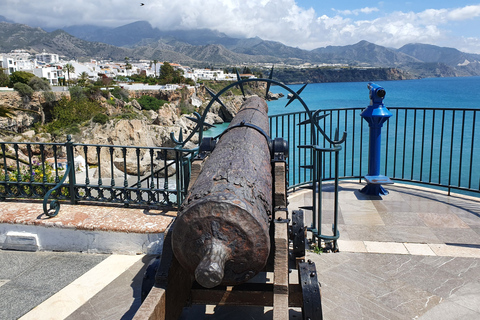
221 234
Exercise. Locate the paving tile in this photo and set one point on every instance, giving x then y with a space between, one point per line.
368 233
420 234
351 246
457 236
455 251
442 220
419 249
405 299
468 296
385 247
402 219
469 217
362 217
448 310
391 206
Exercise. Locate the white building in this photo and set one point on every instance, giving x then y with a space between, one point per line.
52 74
207 74
8 63
47 57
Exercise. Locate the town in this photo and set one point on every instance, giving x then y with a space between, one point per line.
59 72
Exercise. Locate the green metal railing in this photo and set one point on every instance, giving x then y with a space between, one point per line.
439 147
116 174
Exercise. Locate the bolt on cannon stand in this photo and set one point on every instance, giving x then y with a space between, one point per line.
233 220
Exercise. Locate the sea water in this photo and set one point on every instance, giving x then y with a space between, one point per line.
460 93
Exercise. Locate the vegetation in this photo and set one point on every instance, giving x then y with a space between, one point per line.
120 93
38 84
150 103
24 90
101 118
4 78
168 75
20 76
69 114
69 68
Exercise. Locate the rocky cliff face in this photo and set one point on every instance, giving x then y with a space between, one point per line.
149 128
27 113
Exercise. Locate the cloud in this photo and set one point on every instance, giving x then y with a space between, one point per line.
356 12
279 20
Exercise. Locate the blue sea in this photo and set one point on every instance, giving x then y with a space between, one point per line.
461 92
458 147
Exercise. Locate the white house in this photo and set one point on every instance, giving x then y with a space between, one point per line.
207 74
47 57
8 63
52 74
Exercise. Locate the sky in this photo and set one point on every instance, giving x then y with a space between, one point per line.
307 24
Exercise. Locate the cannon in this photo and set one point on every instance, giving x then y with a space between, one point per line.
233 225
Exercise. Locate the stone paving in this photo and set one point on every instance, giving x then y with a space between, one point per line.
413 254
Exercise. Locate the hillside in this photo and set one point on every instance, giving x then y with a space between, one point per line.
208 47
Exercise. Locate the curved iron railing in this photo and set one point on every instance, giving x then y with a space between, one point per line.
439 147
125 175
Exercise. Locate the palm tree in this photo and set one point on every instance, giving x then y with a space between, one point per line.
155 65
83 78
70 68
127 64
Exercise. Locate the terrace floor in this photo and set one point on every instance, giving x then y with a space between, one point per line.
413 254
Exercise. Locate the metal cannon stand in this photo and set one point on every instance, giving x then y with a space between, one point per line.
174 288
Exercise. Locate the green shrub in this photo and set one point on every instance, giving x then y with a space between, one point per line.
77 93
23 89
20 76
101 118
68 114
39 84
150 103
129 116
120 93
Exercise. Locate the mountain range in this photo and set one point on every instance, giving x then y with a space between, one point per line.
204 47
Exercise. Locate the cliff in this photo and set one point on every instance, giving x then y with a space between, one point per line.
319 75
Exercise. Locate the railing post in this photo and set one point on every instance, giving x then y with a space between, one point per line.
375 114
71 173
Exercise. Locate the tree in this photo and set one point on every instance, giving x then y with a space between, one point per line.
24 90
4 78
69 68
127 63
39 84
167 73
83 79
155 66
20 76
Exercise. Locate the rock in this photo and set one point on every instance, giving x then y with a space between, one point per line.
213 118
274 96
167 115
134 103
106 172
29 134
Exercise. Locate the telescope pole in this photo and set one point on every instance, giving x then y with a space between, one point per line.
375 114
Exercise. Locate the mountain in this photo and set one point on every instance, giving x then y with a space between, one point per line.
431 53
203 47
19 36
142 32
3 19
365 52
